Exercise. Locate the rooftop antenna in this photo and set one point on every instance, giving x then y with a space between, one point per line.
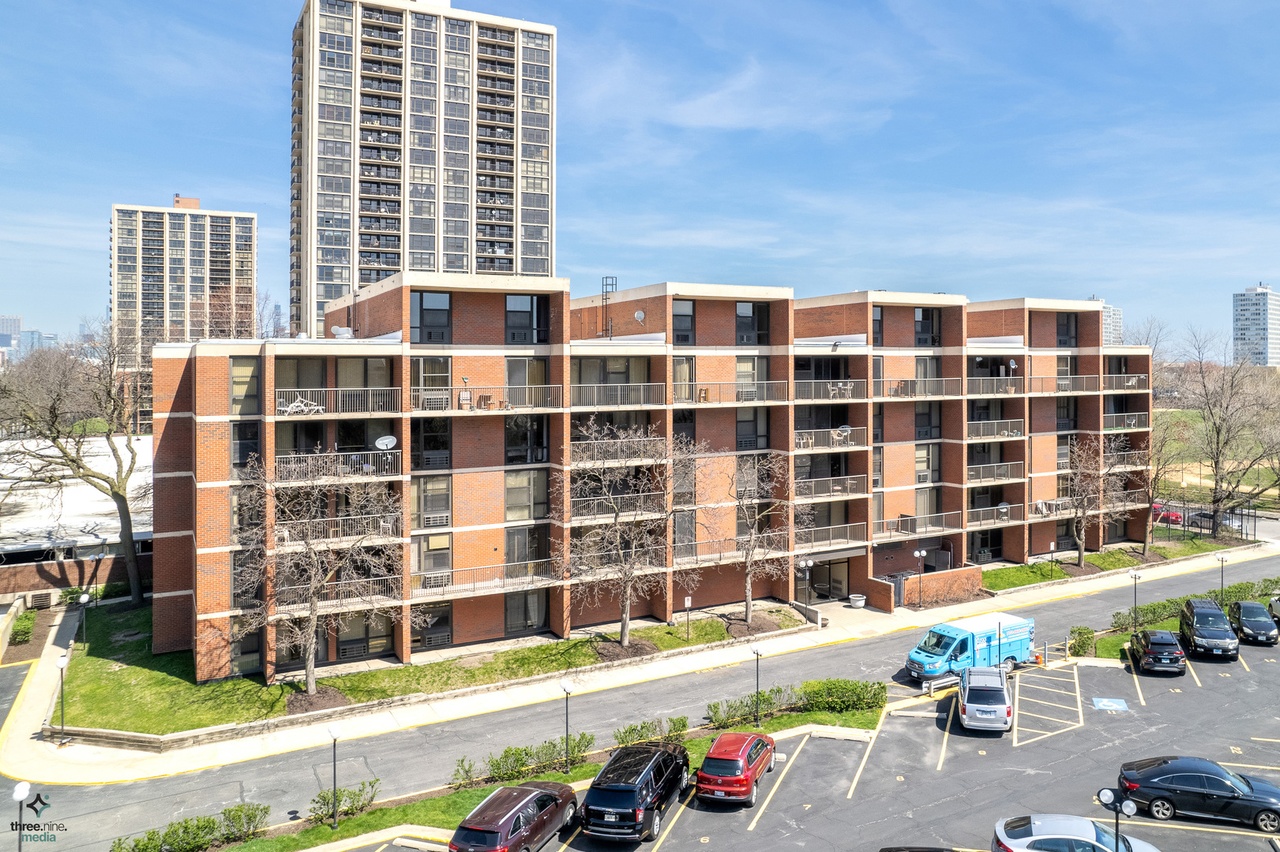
608 285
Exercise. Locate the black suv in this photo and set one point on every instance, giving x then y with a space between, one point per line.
1203 628
627 799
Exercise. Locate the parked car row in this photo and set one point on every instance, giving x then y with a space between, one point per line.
627 800
1204 628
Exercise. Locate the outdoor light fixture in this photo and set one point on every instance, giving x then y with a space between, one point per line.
755 649
1136 577
62 697
920 555
20 792
1222 580
567 686
1116 802
805 566
333 735
84 619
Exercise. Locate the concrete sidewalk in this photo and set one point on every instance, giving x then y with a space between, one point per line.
24 753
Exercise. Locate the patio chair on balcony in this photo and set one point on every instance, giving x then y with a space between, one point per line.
484 402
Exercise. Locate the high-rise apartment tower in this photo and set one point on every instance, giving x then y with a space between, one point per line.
423 139
1255 325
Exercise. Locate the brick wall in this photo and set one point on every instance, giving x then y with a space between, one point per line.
942 587
1001 323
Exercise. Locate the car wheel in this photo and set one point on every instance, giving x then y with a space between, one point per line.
1007 665
570 814
773 758
655 827
1161 809
1267 821
755 792
684 779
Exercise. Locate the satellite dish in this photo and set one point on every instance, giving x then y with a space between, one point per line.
386 442
640 317
1002 505
845 429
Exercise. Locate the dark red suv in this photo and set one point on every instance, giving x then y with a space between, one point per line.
732 770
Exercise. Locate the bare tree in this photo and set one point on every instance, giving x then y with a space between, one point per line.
1163 456
1236 435
624 489
266 317
1095 487
321 547
71 414
764 517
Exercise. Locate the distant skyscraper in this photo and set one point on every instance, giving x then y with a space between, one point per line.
1255 321
11 325
179 274
1112 323
423 138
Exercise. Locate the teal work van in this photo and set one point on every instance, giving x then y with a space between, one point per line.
994 639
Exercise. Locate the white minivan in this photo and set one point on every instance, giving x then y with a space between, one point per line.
985 702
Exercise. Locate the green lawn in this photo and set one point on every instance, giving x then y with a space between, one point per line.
1112 560
1014 576
1111 646
1185 544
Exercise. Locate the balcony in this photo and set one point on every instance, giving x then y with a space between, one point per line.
301 402
604 396
1129 420
1064 384
620 504
341 592
1132 499
307 466
994 429
730 393
477 398
718 550
1135 458
817 538
835 486
329 529
431 460
995 516
994 472
915 388
624 449
1126 382
832 391
994 385
513 576
839 438
913 526
1057 508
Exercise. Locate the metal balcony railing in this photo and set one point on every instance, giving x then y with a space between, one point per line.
994 385
599 396
626 504
494 398
832 390
909 526
717 550
431 459
1063 384
302 466
730 393
815 537
1131 499
915 388
508 577
341 592
295 402
621 449
325 529
835 486
837 438
1134 458
1130 420
1126 382
1055 508
993 516
999 470
995 429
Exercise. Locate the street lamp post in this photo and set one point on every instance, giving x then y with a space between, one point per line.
1136 577
1222 580
333 735
806 568
568 689
1116 802
62 699
920 555
20 792
755 649
84 619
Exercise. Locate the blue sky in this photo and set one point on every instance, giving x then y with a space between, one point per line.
992 149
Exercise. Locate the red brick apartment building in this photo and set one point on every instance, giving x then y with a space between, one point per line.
912 422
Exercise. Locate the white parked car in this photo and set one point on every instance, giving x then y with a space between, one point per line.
1078 834
985 701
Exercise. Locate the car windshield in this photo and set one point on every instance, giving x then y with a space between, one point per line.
1107 838
721 768
475 838
987 696
936 643
1254 612
1211 620
1238 781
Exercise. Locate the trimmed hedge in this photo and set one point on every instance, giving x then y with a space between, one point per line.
841 696
23 626
196 834
1150 613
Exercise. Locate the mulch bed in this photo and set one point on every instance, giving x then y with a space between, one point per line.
737 626
326 698
39 636
610 651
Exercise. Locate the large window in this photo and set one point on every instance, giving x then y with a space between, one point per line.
683 377
877 326
526 612
1067 329
752 323
527 439
526 495
682 322
527 544
433 624
528 319
299 373
928 326
429 318
244 444
429 501
429 441
753 428
244 386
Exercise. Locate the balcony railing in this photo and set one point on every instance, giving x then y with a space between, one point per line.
838 438
341 592
622 449
1134 458
915 388
1127 499
993 516
816 537
1052 508
301 466
495 398
730 393
1130 420
999 470
1063 384
995 429
431 460
625 504
326 529
295 402
599 396
832 390
717 550
994 385
835 486
1126 382
910 526
508 577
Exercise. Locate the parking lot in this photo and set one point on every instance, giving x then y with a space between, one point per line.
925 780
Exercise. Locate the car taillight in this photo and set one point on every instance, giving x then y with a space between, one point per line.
962 710
1000 847
1008 711
639 815
1178 653
1129 786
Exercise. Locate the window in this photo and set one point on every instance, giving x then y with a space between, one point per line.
246 580
928 461
682 322
877 326
528 319
685 423
682 378
431 557
749 371
752 428
429 441
299 373
928 326
928 421
525 545
244 444
433 625
1067 329
526 612
429 501
527 439
429 372
752 323
244 386
246 648
526 495
1066 409
429 318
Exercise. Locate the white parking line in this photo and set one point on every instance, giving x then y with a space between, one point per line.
791 761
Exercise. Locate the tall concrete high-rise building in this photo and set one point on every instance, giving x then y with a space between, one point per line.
1112 323
1255 326
179 273
423 139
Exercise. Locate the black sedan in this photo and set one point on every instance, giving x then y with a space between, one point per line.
1158 651
1252 622
1193 786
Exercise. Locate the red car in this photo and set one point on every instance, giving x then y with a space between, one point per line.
1165 516
732 770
